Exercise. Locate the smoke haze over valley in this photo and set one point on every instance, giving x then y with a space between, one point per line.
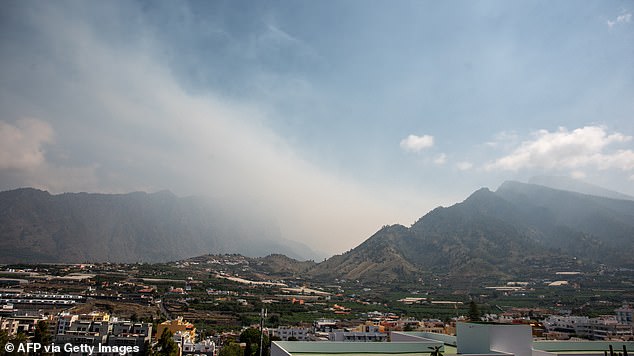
321 121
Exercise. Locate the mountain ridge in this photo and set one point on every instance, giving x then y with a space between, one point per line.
517 230
36 226
501 234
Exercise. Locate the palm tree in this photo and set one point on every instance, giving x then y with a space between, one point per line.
436 351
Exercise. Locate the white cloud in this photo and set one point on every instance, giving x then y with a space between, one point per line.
464 166
577 174
413 143
563 149
625 17
22 143
441 159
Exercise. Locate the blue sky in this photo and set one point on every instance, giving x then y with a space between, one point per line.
333 117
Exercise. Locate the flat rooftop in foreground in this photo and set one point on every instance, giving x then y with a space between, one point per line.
354 348
471 339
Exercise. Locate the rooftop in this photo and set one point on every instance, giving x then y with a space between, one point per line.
471 339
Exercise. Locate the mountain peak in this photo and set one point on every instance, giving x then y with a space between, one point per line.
480 196
484 191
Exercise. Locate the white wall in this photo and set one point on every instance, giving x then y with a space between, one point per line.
494 338
514 339
472 338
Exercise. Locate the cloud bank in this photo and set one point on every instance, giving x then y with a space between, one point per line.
586 147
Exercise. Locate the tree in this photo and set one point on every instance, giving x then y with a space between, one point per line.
230 349
42 336
435 351
274 320
17 339
248 349
4 338
251 337
147 349
474 312
166 345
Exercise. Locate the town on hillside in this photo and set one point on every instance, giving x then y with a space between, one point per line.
219 304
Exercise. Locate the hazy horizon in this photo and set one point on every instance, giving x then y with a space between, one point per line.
333 119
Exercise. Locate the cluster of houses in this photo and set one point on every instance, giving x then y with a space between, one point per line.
377 326
93 329
98 329
606 327
374 326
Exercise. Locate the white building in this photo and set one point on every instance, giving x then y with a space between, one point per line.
204 347
624 315
290 332
324 325
566 324
127 333
602 328
64 321
20 324
106 333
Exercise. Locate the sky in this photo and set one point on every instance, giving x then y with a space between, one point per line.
331 118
